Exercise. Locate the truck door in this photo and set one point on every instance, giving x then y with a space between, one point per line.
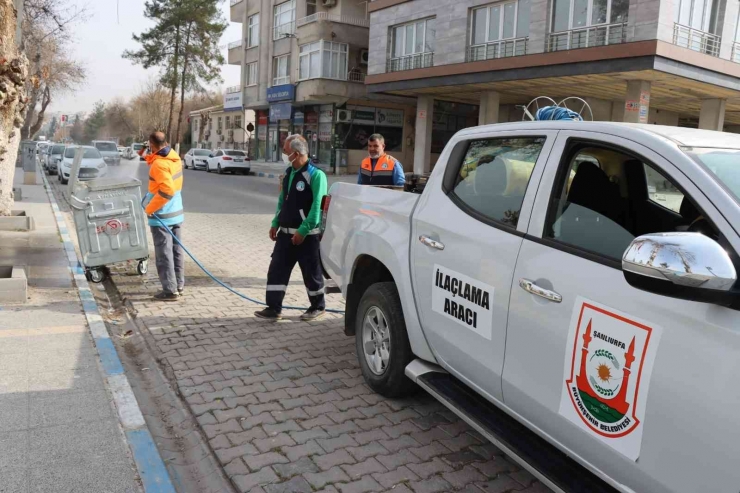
466 234
634 383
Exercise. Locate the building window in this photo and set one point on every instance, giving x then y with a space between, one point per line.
284 19
228 122
696 25
195 126
219 126
238 121
323 59
412 45
253 31
585 23
310 7
281 70
499 30
252 74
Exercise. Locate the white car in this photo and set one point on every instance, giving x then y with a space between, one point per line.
229 160
570 289
121 150
53 158
92 166
196 158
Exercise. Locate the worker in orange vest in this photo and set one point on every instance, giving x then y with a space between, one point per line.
379 168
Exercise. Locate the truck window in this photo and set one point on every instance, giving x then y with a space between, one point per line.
493 177
602 208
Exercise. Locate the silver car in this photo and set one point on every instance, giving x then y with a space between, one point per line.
109 151
53 156
93 165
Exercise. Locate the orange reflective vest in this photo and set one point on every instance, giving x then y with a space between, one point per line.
165 189
381 174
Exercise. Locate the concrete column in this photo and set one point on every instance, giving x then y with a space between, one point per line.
637 101
423 140
489 106
712 116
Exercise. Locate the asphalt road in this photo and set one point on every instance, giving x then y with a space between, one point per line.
213 193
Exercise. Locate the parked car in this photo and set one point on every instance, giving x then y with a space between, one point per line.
135 148
573 296
229 160
121 149
92 166
109 151
54 154
41 147
196 158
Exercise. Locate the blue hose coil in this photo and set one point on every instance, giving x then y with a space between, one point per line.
556 113
223 284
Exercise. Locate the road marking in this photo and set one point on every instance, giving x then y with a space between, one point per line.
149 463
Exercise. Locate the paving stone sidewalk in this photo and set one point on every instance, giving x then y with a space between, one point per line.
284 405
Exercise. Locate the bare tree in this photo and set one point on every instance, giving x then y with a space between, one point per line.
13 73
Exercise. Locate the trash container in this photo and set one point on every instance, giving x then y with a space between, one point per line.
111 225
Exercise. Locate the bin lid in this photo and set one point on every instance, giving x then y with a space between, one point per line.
109 184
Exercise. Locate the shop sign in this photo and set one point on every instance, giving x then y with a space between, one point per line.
281 111
284 92
362 115
389 118
298 118
326 114
233 101
312 117
262 120
325 133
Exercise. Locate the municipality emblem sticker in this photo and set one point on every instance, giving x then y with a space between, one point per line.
301 186
608 365
385 166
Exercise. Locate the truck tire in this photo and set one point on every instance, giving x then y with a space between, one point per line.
381 341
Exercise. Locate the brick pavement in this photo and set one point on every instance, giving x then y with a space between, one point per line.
284 405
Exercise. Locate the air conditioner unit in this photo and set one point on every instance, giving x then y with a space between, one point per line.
364 57
328 3
344 116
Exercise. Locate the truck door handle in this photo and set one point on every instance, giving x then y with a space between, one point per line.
431 243
531 287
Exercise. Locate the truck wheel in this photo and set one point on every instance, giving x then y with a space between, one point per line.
382 343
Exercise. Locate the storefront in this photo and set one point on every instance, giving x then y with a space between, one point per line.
262 118
281 116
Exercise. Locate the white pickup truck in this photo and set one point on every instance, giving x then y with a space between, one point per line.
567 288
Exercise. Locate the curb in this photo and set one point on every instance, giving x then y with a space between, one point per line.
149 463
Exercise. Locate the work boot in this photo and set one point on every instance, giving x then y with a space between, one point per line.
165 296
268 314
313 314
181 291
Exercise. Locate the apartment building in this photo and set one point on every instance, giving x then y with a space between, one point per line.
469 62
225 126
303 67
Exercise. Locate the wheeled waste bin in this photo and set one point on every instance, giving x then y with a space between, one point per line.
111 225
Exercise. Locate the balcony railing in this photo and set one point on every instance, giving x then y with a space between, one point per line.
736 52
410 62
498 49
234 2
356 76
696 40
587 37
233 89
341 19
283 30
235 44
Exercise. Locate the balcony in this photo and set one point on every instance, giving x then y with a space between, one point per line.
327 17
735 52
233 89
694 39
410 62
286 30
587 37
236 53
497 49
356 76
238 10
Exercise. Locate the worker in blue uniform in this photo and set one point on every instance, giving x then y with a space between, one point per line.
378 168
295 231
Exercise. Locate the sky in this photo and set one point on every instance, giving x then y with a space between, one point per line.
98 43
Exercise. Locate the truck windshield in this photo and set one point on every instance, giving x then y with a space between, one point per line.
106 147
724 164
137 147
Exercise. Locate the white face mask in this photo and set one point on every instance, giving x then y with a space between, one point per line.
286 159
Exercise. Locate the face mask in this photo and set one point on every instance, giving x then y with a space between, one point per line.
286 159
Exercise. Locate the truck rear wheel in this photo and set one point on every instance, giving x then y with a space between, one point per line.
382 344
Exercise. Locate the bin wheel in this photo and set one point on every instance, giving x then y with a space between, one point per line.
142 267
95 275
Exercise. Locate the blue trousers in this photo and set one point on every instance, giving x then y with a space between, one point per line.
284 257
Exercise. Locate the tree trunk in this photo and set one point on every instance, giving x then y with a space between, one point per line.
34 89
173 88
13 72
45 100
182 82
